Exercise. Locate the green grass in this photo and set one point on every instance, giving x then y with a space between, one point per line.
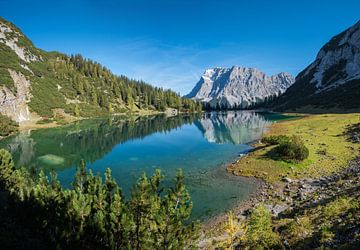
321 224
9 60
320 133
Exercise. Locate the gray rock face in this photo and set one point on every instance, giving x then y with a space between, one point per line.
14 102
238 86
337 63
332 80
10 38
15 105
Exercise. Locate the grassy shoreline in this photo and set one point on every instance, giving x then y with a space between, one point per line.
324 135
331 154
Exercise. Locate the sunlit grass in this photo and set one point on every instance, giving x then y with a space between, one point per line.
324 136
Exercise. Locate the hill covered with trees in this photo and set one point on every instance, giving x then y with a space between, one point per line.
53 84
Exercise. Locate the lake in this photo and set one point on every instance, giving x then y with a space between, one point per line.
202 145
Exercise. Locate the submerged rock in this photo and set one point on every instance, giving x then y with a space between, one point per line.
51 159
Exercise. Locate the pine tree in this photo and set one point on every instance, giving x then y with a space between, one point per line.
94 96
80 176
142 205
172 218
6 168
260 234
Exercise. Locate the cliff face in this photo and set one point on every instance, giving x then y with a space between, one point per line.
14 103
238 87
15 84
36 83
333 79
12 38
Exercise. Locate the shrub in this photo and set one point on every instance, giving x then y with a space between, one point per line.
298 229
44 121
292 150
326 235
337 207
275 139
260 234
7 126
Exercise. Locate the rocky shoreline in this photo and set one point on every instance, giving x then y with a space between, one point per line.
290 195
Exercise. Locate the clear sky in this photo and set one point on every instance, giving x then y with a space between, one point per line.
170 43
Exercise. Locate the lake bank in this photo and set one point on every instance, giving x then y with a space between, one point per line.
333 156
324 135
65 119
36 122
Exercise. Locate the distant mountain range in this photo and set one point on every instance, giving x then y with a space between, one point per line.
35 83
238 87
332 80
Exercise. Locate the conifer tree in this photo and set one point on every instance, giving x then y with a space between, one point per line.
110 108
175 211
6 168
95 215
260 234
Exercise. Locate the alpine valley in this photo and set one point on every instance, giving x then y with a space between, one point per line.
94 160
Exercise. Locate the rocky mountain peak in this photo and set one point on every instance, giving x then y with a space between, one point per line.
337 62
16 41
238 87
332 80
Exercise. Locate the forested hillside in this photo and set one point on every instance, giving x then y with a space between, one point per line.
54 84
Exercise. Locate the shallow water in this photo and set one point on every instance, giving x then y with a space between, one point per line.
199 144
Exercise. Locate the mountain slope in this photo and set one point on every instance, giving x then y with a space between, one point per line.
51 84
238 87
332 80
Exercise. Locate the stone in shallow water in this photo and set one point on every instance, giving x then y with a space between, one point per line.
51 159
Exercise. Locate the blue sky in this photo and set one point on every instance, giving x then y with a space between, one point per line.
170 43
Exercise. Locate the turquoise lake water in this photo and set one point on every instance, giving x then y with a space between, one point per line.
201 145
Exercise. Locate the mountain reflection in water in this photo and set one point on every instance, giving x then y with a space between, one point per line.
200 144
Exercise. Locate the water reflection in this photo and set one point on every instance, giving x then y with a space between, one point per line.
199 144
232 127
89 139
92 139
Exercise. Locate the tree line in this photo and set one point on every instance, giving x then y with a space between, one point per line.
257 104
92 83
